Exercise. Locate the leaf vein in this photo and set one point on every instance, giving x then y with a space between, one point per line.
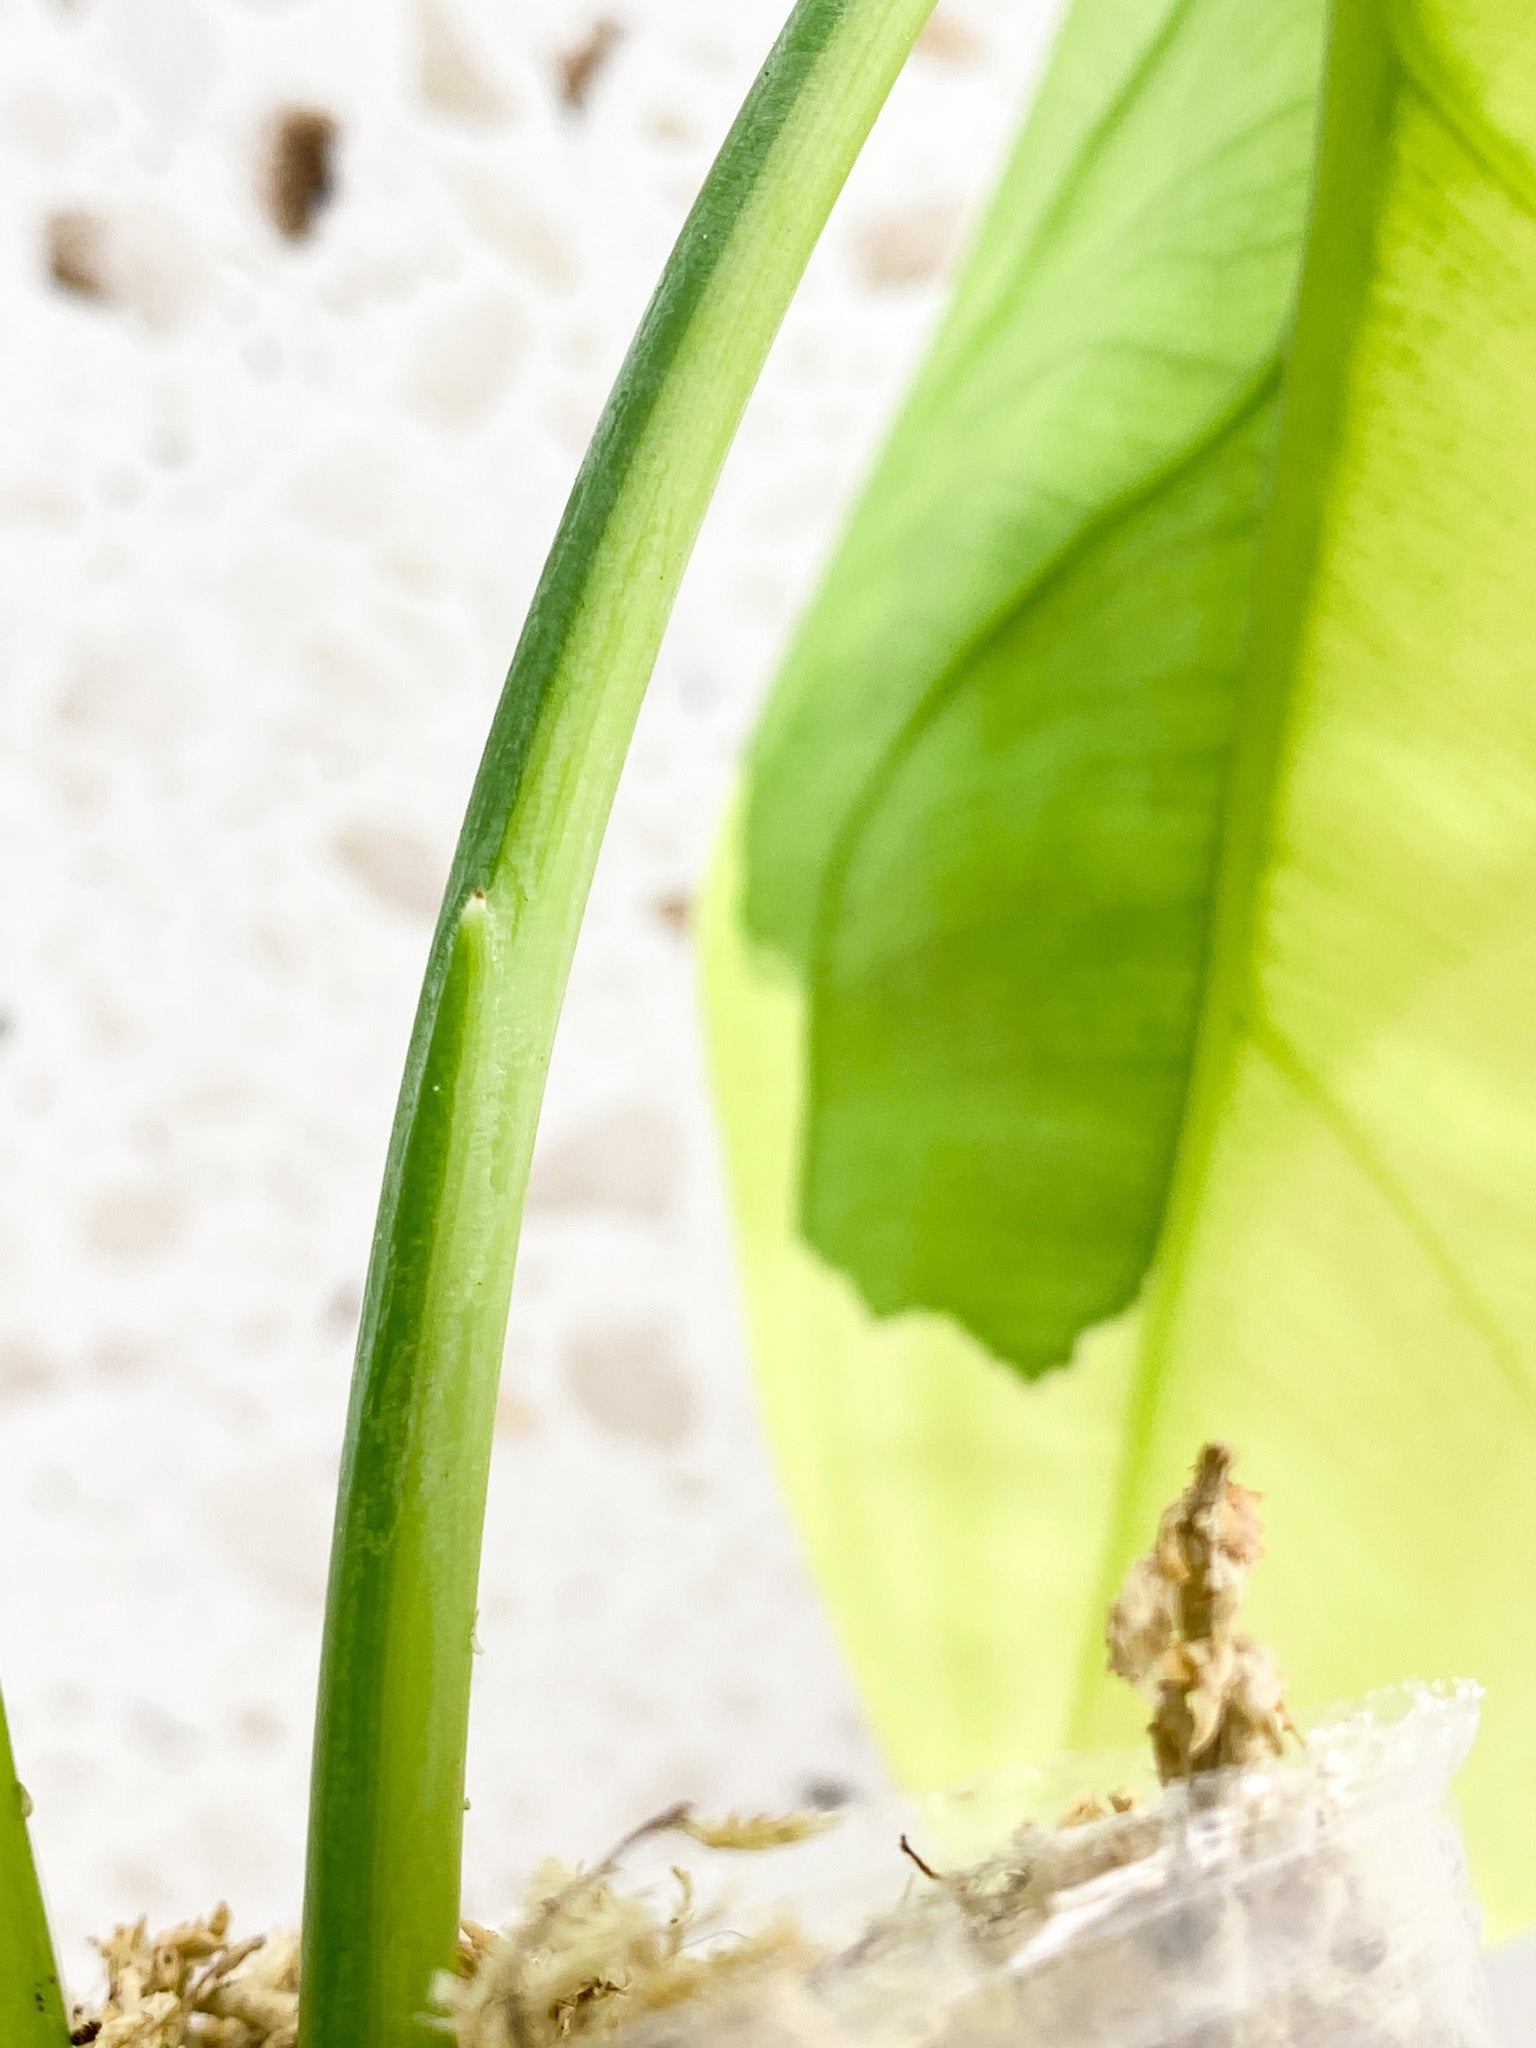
1284 1059
1505 167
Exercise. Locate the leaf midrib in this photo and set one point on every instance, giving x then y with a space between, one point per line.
1362 86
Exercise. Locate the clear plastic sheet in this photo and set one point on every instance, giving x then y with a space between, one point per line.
1323 1903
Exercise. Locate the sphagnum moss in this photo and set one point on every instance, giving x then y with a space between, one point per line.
590 1956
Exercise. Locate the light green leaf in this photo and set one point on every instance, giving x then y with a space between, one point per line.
1348 1277
1345 1283
982 813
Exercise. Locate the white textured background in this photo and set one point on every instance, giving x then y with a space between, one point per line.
269 516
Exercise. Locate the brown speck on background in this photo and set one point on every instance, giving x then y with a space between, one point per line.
629 1162
342 1308
25 1369
301 171
401 870
908 249
514 1416
135 1220
948 41
675 911
578 68
141 258
120 1357
628 1379
452 79
77 252
825 1794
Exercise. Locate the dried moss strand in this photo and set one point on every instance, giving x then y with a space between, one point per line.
1218 1699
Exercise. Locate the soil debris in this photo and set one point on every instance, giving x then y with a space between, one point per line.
1218 1699
1084 1812
585 1957
1217 1703
756 1830
591 1951
195 1987
301 169
578 69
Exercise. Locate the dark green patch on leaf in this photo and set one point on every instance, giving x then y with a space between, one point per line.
984 808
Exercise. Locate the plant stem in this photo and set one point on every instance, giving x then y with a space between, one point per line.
386 1818
31 1999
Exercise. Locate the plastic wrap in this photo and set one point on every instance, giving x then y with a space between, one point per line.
1320 1903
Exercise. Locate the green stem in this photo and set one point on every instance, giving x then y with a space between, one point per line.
386 1818
31 2000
